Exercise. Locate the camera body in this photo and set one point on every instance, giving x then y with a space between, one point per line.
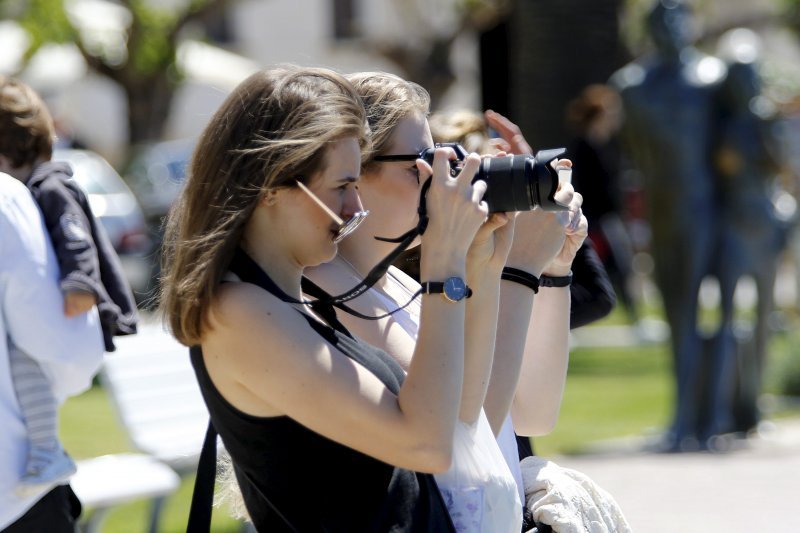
514 182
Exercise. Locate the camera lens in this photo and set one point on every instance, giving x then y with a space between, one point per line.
508 183
516 182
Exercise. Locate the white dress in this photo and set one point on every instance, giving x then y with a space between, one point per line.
479 489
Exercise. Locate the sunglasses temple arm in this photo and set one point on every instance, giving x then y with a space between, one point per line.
319 202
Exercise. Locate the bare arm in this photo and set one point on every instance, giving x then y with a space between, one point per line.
532 348
485 263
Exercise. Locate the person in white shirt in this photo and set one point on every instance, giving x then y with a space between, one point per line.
69 351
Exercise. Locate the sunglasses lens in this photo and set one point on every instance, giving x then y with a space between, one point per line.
350 225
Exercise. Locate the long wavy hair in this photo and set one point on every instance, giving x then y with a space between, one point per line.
275 127
388 99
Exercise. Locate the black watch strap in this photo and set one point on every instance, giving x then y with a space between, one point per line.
432 287
438 287
555 281
520 276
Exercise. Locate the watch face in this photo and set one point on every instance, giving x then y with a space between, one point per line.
455 289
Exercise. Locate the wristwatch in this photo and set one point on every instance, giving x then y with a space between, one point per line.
453 289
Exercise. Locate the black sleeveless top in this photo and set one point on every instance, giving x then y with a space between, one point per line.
295 479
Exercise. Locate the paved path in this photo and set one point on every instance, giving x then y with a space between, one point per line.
753 487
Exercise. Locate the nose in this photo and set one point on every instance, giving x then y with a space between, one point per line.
352 203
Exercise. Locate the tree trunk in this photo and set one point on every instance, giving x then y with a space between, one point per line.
557 47
149 100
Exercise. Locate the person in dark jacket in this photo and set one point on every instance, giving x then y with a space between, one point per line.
90 273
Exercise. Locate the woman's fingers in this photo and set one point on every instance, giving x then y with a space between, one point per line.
509 131
425 170
441 164
478 190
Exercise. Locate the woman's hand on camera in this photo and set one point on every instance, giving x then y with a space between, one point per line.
576 228
455 206
489 250
511 139
541 235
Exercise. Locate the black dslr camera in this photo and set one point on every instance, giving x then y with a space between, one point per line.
514 182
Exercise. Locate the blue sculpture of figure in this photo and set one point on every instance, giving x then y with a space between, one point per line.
751 241
668 132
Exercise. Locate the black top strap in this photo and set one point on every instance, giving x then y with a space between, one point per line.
203 494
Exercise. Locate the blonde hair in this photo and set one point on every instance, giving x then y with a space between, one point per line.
229 493
274 128
466 127
388 99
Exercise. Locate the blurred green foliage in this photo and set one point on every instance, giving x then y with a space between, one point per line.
139 55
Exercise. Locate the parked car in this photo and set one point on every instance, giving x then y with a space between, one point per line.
156 174
118 210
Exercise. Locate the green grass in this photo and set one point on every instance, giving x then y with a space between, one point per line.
611 392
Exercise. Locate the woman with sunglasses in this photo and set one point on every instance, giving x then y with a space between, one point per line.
390 189
326 432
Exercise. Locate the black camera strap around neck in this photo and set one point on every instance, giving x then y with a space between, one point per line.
324 300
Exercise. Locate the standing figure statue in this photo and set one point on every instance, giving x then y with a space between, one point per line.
751 239
668 133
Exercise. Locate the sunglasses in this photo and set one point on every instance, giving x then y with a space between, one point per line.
400 157
346 227
427 155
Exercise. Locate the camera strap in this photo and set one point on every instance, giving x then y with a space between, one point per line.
324 300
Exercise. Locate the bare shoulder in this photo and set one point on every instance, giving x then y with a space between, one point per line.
331 277
243 316
239 303
255 344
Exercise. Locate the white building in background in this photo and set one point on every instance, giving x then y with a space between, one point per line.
339 34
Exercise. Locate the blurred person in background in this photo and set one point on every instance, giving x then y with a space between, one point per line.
667 134
90 273
752 236
64 351
594 118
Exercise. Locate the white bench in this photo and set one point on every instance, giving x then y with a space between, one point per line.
152 386
102 483
154 390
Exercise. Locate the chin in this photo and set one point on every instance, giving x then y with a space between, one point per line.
324 255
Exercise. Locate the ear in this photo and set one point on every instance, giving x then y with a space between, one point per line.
270 198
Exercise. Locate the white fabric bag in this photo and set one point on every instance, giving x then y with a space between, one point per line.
569 501
479 490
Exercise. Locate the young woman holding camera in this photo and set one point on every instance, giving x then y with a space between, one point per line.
531 341
325 431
